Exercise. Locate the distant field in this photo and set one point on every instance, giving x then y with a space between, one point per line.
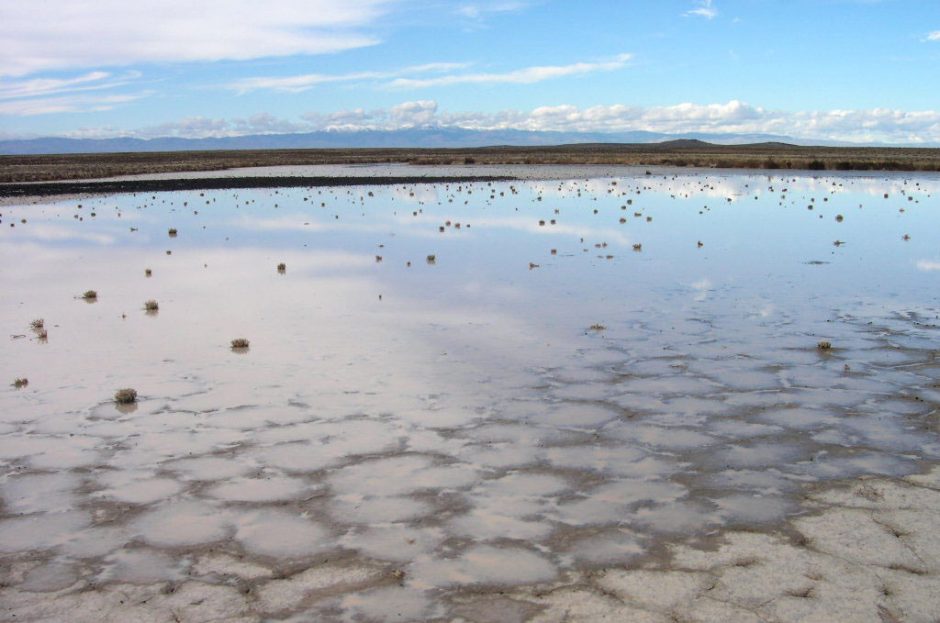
673 153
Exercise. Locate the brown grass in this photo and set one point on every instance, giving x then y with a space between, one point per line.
125 396
673 153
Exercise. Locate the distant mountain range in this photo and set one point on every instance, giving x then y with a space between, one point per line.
407 138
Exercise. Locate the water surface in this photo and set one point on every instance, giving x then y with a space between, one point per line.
465 387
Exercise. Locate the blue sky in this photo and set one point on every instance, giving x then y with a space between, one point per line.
857 70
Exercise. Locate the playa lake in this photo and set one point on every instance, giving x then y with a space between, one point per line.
496 401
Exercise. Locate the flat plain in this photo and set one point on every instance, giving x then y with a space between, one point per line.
681 153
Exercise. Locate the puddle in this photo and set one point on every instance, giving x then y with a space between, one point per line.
544 414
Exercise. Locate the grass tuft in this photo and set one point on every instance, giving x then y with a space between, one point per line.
90 295
20 383
125 396
240 343
824 345
151 305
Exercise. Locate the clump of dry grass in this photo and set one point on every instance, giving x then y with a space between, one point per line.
38 324
839 218
172 231
597 327
148 272
125 396
20 383
151 306
824 345
240 343
282 268
637 247
90 295
431 259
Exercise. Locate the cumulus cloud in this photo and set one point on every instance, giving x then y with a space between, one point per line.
704 8
63 34
933 36
526 75
733 117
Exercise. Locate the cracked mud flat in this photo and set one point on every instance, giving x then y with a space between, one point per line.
467 447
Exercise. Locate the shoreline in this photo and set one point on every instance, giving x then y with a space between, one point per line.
761 156
45 189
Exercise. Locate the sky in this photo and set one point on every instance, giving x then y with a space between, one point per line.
848 70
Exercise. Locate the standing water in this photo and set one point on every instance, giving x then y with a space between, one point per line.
649 394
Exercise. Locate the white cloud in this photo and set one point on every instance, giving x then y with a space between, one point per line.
734 117
479 10
66 104
409 77
704 8
527 75
81 93
62 34
304 82
928 265
934 36
46 86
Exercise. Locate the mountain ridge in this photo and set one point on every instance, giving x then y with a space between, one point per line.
440 138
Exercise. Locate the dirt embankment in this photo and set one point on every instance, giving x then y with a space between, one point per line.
218 183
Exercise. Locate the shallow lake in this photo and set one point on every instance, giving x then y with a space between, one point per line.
456 388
